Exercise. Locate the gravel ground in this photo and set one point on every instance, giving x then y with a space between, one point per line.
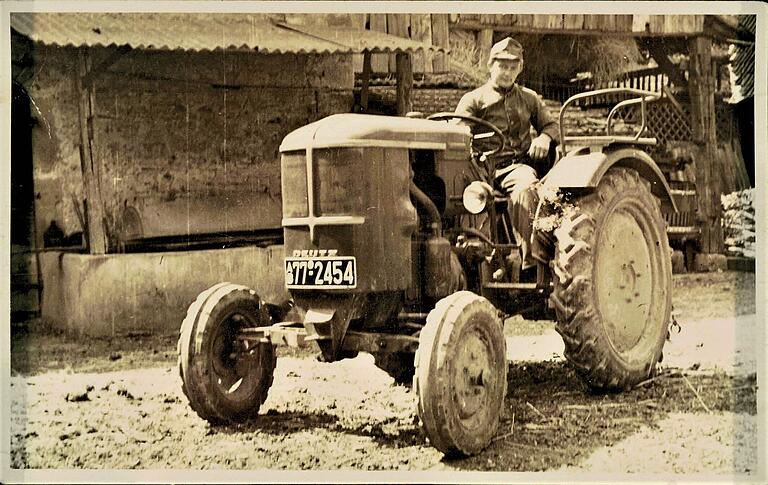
117 404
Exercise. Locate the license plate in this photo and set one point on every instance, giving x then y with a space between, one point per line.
321 272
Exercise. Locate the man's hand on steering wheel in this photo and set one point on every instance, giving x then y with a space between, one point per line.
539 147
495 133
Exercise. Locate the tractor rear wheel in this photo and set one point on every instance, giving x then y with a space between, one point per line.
461 374
613 282
225 379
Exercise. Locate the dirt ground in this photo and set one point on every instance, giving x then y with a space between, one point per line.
117 404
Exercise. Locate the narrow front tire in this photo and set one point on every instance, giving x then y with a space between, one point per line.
225 378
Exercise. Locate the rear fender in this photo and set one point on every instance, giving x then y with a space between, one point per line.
578 171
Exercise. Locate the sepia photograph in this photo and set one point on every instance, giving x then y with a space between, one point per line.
395 242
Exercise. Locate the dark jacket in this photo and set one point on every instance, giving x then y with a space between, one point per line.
514 111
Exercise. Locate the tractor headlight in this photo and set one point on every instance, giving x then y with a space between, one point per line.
476 197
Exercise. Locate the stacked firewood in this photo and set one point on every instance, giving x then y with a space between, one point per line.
589 121
739 223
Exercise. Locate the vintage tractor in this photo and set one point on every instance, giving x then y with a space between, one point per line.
397 243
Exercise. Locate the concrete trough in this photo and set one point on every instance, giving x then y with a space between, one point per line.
115 294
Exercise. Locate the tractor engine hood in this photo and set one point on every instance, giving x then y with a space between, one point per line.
359 130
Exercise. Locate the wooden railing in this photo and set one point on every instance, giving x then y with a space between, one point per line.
649 79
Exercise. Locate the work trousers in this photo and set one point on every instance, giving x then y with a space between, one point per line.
517 181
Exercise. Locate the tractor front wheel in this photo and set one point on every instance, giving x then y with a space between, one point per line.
613 282
461 374
225 379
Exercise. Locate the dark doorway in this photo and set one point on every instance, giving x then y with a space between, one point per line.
22 184
25 287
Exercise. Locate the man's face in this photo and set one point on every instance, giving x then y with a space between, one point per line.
504 72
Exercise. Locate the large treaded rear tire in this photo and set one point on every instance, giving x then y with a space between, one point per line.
224 380
461 374
613 282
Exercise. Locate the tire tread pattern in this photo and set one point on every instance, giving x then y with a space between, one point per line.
193 370
573 295
429 384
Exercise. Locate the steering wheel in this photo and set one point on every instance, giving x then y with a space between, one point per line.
495 133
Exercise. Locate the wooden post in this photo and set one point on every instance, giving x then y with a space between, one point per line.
404 83
440 39
484 44
397 25
703 130
96 233
379 62
365 81
358 21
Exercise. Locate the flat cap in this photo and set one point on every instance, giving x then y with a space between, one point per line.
507 48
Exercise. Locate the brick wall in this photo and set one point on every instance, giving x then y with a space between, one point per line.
435 100
425 100
171 127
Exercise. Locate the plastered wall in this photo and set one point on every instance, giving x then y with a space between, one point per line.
178 134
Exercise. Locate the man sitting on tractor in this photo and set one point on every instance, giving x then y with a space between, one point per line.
515 110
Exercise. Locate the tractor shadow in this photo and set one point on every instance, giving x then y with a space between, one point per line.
389 433
552 419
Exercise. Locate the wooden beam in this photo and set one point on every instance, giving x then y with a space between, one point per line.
421 30
440 33
102 66
522 27
366 80
378 23
547 21
397 25
484 43
573 22
683 23
656 24
525 20
672 99
359 21
701 83
404 77
640 23
506 19
488 19
95 230
623 23
659 52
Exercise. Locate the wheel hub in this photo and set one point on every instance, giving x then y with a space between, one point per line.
623 278
230 362
471 377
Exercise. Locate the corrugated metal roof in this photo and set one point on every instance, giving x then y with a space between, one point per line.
369 40
202 32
